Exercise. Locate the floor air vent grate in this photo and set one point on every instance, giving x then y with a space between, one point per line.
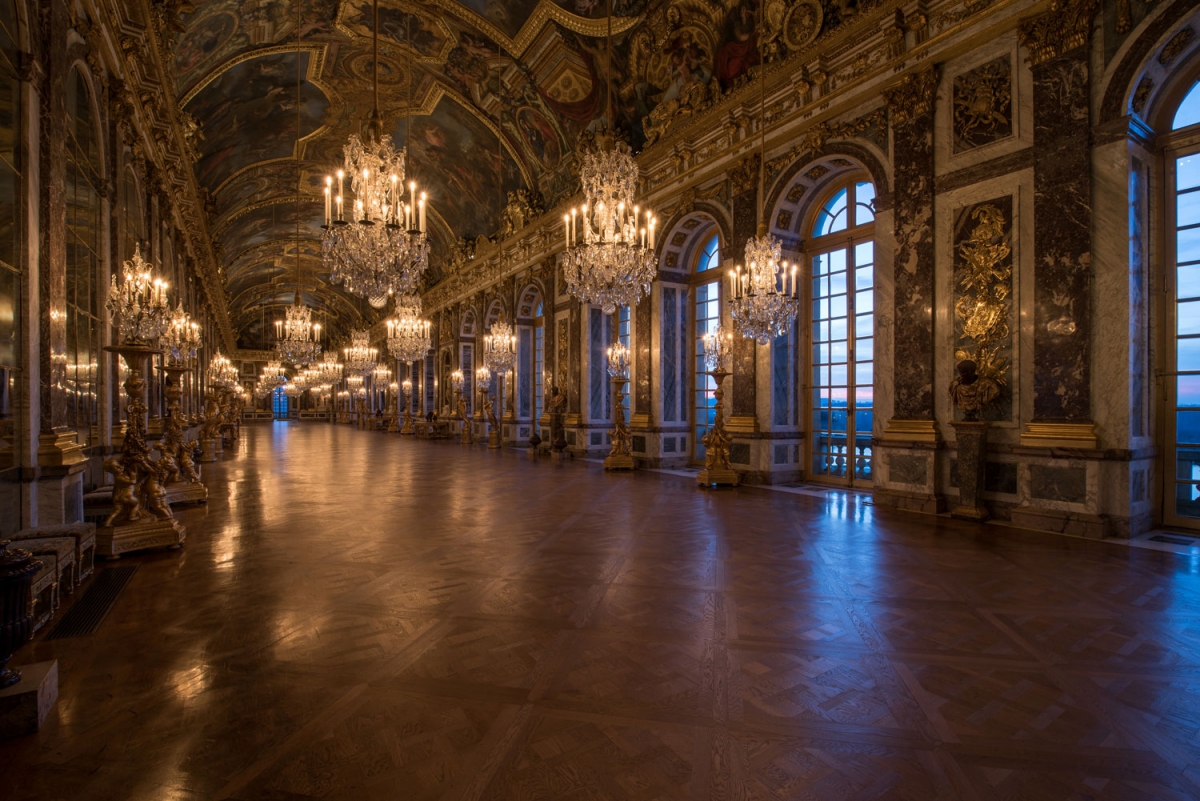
89 611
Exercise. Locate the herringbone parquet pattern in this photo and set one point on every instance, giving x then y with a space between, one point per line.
357 616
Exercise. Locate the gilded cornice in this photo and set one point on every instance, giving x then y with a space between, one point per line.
1066 26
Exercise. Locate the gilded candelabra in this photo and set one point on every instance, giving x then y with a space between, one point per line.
182 476
483 379
457 381
407 428
717 472
619 458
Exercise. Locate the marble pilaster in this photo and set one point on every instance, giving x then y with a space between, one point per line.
643 374
52 210
743 406
911 107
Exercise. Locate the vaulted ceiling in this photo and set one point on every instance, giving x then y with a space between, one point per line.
236 68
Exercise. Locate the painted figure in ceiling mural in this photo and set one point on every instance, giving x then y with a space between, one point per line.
539 136
218 30
454 155
256 95
425 39
739 48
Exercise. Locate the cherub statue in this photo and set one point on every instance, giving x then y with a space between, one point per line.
716 449
187 466
972 392
489 411
154 486
212 417
126 506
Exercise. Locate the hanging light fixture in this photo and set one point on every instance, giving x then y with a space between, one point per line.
181 340
330 371
408 335
382 249
500 348
139 302
298 338
609 259
765 297
359 359
221 372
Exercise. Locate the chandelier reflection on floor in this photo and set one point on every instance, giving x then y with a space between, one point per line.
609 259
382 249
408 335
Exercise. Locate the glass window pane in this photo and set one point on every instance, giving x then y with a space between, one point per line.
1188 245
864 325
1187 464
1187 284
1187 209
1187 428
837 283
837 375
1188 320
837 328
864 277
1189 110
1188 390
864 350
864 374
864 302
1188 355
1187 172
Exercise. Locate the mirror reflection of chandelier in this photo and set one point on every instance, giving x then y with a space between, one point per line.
139 302
181 340
408 335
609 259
359 358
500 348
765 299
382 249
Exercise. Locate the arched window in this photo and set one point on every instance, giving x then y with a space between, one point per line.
1182 485
707 294
83 255
10 206
842 385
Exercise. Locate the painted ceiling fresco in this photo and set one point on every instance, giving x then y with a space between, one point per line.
461 70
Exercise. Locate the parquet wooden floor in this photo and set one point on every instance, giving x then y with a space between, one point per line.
356 616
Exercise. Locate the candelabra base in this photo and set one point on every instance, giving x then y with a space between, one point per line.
112 541
393 427
465 439
621 461
185 492
208 450
718 477
493 440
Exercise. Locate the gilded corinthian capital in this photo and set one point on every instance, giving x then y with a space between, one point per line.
913 95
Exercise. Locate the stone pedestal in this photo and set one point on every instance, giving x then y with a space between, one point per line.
25 705
619 462
493 439
218 445
208 450
112 541
971 468
183 492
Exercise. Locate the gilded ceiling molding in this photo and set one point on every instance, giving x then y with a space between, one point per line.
546 12
343 25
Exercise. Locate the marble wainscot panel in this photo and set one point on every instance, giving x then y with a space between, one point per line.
1060 495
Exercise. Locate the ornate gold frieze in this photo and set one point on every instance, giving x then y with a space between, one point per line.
983 292
913 96
1060 30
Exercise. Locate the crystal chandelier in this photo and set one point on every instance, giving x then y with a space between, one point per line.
329 371
139 302
182 338
764 300
359 358
274 374
381 376
500 348
298 338
221 372
408 335
611 262
382 249
290 390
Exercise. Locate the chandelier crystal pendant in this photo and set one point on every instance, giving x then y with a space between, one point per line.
500 348
382 249
765 298
139 302
408 338
359 359
181 340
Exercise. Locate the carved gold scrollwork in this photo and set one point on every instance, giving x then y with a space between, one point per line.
1060 30
984 282
913 96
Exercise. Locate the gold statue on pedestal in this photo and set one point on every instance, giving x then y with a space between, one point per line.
717 472
489 412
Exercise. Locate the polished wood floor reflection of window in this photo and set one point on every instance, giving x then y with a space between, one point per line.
360 616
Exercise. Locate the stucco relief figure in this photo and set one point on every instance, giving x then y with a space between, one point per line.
971 392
